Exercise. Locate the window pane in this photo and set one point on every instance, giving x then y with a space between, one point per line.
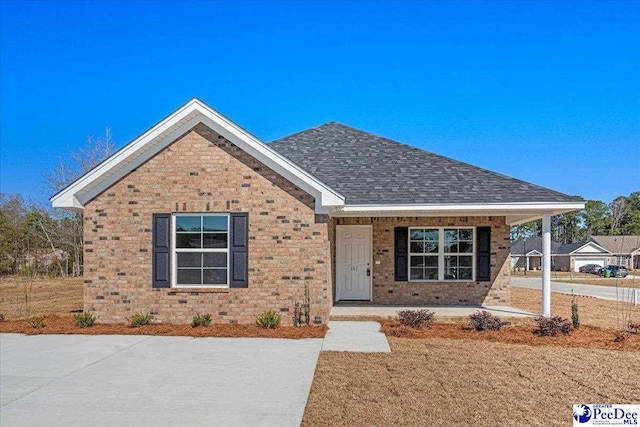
450 241
214 223
189 260
431 261
464 273
450 261
431 235
465 261
189 277
214 240
431 273
465 247
417 261
188 240
417 274
450 273
431 247
215 277
215 259
188 223
417 234
417 247
465 235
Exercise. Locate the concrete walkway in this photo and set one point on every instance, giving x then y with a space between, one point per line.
361 337
111 380
605 292
441 312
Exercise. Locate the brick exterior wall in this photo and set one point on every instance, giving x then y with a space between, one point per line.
387 291
203 172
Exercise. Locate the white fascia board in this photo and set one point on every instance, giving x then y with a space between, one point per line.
605 251
158 137
515 212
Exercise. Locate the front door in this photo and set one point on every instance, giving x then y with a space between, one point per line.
353 262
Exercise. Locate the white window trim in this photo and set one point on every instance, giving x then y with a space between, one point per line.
441 255
174 250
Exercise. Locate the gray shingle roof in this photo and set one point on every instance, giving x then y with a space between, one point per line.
368 169
618 244
534 243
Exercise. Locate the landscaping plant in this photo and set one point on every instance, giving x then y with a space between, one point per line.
485 321
139 319
36 322
269 319
575 318
201 320
84 320
416 319
552 326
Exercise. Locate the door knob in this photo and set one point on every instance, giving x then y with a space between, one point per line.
368 271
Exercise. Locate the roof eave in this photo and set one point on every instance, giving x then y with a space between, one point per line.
515 213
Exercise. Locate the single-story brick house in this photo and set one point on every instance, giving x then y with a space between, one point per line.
197 215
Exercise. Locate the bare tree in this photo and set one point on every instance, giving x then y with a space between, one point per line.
67 170
618 208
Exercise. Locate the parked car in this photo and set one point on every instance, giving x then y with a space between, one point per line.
590 268
615 271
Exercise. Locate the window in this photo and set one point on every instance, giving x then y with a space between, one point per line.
201 252
441 254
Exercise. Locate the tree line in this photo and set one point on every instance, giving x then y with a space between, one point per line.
36 239
621 216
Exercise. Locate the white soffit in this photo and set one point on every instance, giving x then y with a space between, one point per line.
168 130
515 213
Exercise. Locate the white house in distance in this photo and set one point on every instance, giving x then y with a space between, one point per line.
599 250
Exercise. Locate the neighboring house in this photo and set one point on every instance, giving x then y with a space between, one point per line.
526 254
196 215
599 250
623 250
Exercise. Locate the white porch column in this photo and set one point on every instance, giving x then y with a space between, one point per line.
546 265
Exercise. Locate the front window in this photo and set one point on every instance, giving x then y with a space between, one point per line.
441 254
201 252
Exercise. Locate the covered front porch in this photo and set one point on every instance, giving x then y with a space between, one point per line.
454 262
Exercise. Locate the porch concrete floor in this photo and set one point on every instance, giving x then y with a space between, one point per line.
345 311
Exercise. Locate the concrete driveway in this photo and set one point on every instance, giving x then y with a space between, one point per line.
73 380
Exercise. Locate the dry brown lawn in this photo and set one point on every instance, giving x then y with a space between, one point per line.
592 311
21 297
468 383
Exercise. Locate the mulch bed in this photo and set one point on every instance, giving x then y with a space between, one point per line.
56 324
586 336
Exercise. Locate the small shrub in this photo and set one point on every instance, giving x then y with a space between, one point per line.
620 336
36 322
269 319
485 321
552 326
84 320
416 319
2 318
139 319
575 318
201 320
634 327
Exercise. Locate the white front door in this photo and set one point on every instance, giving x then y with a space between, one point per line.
353 262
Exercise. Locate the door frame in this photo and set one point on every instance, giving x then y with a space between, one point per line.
337 264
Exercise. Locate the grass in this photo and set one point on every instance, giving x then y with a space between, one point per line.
19 298
466 382
592 311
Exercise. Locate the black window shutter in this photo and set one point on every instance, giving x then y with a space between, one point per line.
483 254
239 250
161 251
401 254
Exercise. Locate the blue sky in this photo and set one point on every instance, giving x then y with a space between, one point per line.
548 92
